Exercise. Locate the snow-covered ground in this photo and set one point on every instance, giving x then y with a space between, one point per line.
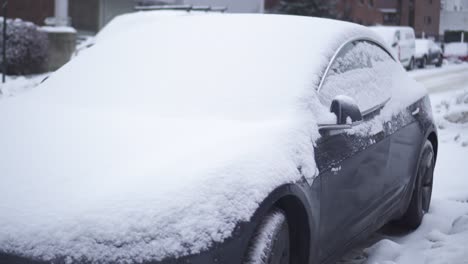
18 84
443 235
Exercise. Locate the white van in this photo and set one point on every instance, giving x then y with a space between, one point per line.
402 42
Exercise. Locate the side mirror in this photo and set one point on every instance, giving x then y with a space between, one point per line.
346 110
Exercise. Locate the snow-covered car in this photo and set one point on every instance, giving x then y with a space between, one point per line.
215 139
428 53
456 51
402 43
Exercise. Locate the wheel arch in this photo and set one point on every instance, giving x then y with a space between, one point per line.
300 235
293 200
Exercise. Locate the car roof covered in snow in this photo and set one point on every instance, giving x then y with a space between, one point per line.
217 55
157 141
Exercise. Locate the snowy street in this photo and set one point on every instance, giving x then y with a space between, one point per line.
443 235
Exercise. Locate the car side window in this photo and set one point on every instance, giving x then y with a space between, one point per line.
363 71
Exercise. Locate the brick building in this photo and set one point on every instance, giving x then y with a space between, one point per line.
422 15
31 10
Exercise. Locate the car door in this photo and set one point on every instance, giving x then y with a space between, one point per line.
353 159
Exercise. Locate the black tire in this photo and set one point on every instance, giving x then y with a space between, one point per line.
423 62
422 192
440 61
410 65
270 244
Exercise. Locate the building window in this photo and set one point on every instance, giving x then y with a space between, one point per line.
390 18
428 20
371 3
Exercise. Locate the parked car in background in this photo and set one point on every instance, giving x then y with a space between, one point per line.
428 53
193 140
402 42
456 51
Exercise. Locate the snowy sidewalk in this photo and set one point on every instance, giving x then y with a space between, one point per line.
449 77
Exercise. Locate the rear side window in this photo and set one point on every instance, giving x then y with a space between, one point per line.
363 71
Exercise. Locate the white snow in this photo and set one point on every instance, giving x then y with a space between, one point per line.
422 47
58 29
162 149
120 24
387 33
456 49
15 85
264 238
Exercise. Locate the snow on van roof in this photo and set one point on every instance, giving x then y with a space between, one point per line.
157 141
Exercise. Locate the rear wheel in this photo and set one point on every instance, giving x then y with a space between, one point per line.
270 245
423 62
410 65
421 198
440 61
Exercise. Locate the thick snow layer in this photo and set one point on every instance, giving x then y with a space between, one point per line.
387 33
456 49
162 149
265 238
58 29
18 84
121 23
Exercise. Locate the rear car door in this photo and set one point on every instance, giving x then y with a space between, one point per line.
353 161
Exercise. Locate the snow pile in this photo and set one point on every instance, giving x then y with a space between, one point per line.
160 151
17 84
442 238
50 29
456 49
387 33
452 114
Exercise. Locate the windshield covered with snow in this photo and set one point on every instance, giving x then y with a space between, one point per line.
190 66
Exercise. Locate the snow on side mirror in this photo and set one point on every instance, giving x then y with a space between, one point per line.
346 110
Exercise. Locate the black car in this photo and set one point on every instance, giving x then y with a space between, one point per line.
428 53
216 138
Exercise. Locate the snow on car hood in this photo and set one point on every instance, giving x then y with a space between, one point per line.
158 141
112 186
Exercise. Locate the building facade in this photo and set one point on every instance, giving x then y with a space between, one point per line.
91 15
422 15
454 16
31 10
